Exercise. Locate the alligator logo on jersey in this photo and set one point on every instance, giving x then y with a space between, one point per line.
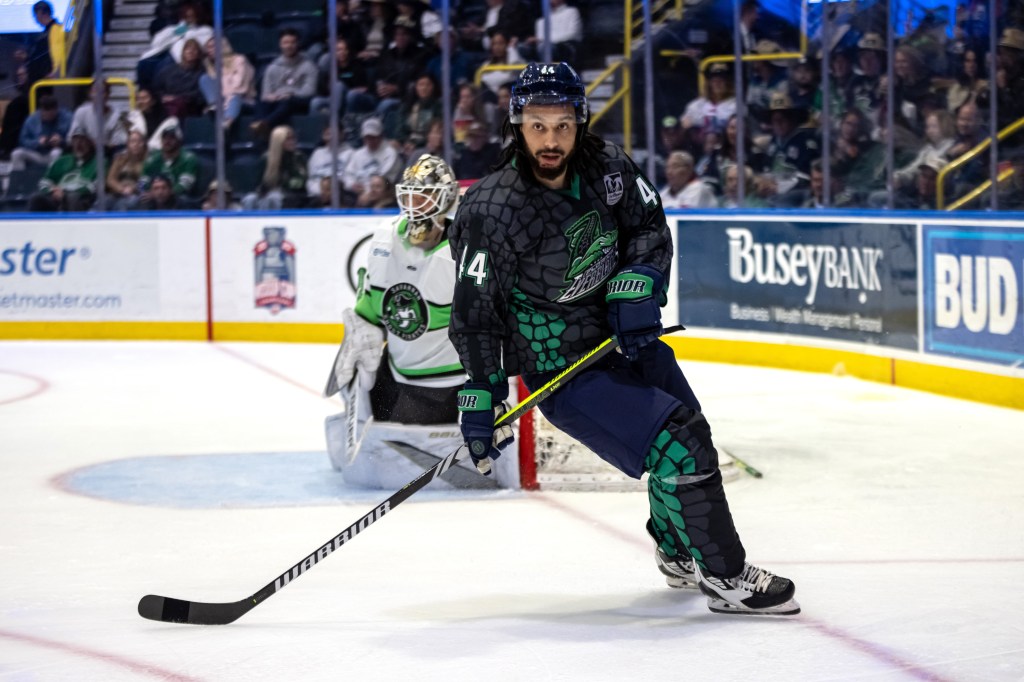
404 312
593 257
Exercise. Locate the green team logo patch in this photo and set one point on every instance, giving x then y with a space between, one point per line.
404 312
593 257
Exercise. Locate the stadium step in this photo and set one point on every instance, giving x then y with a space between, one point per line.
128 37
140 23
135 9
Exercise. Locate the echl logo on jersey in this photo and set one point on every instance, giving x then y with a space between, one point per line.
275 271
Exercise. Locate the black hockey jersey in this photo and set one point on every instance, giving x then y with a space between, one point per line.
533 262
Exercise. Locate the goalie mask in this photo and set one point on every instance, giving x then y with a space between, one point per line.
426 193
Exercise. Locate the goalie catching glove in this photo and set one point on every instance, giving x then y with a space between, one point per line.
360 352
635 297
481 405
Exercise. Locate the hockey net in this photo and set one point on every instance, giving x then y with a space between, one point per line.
551 460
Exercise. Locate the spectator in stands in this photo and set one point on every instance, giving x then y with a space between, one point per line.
152 117
499 113
766 77
803 85
921 195
169 42
177 83
840 78
839 196
124 177
865 88
728 148
15 114
433 145
43 135
284 176
210 198
511 18
160 197
321 164
70 182
502 53
1011 192
968 81
349 26
117 121
376 26
969 134
237 81
48 58
939 133
794 145
289 83
397 69
354 96
730 193
420 111
375 157
750 12
671 135
858 161
684 189
566 29
712 110
913 85
475 159
461 68
470 108
379 193
180 165
706 167
1010 77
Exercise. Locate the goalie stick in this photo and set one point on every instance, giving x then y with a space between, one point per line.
170 610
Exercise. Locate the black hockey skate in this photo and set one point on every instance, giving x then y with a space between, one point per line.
678 572
753 591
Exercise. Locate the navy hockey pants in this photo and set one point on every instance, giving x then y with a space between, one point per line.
643 416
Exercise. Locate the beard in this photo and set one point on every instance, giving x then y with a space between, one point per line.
549 172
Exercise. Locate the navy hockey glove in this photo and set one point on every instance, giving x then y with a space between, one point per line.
481 405
635 297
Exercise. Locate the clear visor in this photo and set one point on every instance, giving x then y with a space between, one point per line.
521 100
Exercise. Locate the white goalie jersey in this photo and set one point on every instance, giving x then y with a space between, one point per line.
408 291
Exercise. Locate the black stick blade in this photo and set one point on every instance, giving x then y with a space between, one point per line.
168 610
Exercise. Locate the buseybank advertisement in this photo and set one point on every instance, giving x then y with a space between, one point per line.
849 281
114 270
974 293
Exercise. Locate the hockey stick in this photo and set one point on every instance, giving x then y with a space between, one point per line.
170 610
742 465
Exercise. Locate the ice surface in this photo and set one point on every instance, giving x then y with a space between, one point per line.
198 471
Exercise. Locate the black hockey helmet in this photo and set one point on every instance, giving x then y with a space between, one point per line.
555 83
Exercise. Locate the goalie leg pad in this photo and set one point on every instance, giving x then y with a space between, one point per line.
689 513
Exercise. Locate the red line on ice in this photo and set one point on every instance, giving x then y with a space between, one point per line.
141 668
41 385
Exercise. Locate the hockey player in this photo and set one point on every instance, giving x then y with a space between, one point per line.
404 298
563 245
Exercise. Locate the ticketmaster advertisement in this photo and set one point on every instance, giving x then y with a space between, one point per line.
125 269
848 281
973 290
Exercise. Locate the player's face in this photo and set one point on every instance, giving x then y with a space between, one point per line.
549 132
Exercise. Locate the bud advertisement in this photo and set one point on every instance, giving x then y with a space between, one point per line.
841 281
973 289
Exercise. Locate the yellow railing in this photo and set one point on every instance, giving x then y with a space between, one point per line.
979 190
70 82
940 192
478 79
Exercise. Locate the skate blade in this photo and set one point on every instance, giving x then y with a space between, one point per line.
678 583
789 608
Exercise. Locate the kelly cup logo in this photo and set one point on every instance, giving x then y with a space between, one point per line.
275 271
